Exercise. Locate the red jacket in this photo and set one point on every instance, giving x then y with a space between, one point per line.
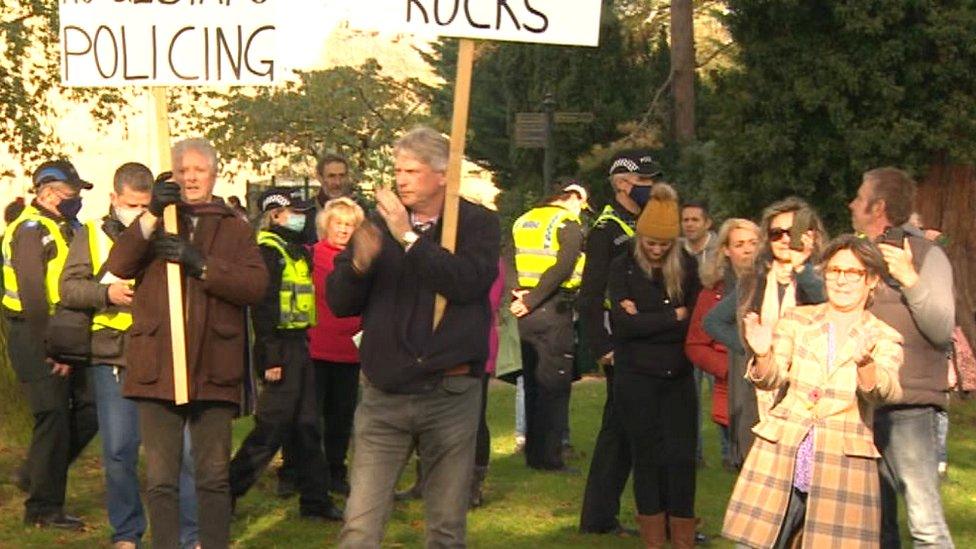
331 338
708 354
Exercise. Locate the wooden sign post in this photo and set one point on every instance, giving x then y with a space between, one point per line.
174 278
459 129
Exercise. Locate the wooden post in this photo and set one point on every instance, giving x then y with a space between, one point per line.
459 130
174 278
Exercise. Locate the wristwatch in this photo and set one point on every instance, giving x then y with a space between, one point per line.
409 238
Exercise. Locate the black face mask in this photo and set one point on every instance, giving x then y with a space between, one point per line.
640 194
69 207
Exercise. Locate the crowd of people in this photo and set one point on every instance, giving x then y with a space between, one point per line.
827 359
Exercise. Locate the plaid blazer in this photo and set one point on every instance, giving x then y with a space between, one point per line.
843 505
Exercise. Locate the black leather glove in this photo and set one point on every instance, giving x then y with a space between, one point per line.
164 193
173 248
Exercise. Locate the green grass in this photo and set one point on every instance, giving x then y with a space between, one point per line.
523 509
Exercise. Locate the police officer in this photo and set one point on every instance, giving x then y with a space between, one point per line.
549 262
35 248
631 175
288 402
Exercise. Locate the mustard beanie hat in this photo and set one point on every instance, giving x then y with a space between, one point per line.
660 219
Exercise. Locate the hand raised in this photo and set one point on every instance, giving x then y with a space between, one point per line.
393 212
366 244
758 336
899 261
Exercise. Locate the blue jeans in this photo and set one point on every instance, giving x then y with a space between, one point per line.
118 421
906 438
942 432
442 425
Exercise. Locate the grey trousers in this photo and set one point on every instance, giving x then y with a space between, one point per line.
443 426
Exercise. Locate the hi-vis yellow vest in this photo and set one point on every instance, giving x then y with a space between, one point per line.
99 244
610 215
297 295
537 245
11 291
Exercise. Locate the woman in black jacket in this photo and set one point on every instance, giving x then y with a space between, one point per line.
652 293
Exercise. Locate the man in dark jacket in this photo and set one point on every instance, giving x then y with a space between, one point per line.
35 248
917 300
222 273
85 285
631 176
422 385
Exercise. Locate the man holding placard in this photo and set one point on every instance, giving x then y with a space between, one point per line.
422 386
222 273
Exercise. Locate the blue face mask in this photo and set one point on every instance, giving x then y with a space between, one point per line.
69 207
640 194
295 222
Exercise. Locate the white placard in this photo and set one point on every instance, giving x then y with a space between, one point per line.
566 22
187 42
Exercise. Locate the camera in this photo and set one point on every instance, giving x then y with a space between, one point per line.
893 236
802 220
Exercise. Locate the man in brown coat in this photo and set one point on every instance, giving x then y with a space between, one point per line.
222 273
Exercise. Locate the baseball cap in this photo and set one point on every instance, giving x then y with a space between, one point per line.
639 162
581 191
284 197
59 170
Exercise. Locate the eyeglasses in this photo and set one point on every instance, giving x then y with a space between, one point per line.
776 233
849 275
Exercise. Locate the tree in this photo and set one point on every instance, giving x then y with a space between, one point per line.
354 111
683 69
613 81
825 90
29 76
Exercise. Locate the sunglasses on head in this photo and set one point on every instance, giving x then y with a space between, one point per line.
776 233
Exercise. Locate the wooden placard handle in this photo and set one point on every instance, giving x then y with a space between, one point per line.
459 130
174 278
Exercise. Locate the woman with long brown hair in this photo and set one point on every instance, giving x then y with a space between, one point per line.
784 277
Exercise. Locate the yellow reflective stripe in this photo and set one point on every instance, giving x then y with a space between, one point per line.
608 214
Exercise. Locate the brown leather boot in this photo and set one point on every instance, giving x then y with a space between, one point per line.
652 530
682 532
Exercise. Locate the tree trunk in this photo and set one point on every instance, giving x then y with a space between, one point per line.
683 69
946 201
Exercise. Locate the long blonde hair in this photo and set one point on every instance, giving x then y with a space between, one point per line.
714 267
671 267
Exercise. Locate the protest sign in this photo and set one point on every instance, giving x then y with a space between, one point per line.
567 22
189 42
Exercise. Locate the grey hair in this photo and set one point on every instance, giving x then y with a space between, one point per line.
198 145
426 145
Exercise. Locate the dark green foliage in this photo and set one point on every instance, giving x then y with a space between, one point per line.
826 90
354 111
614 81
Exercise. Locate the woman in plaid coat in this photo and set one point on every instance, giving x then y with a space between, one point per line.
813 469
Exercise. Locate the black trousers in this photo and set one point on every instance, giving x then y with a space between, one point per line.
793 521
659 416
482 451
337 393
547 362
287 407
64 422
161 424
609 469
